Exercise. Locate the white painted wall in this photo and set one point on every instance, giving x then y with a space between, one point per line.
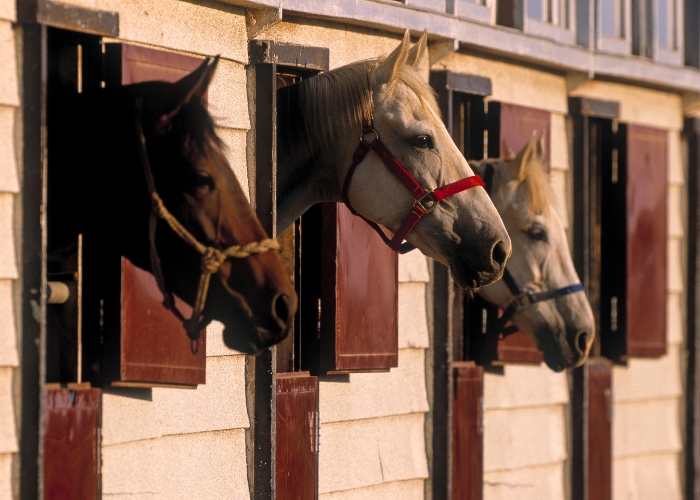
9 187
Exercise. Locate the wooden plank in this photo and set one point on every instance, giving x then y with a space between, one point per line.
598 485
510 127
297 436
75 18
290 55
647 194
692 287
467 431
71 449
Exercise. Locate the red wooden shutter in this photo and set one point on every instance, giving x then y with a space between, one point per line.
646 240
467 431
509 128
360 296
71 431
598 455
153 348
297 436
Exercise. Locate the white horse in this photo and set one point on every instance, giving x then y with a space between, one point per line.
551 306
330 128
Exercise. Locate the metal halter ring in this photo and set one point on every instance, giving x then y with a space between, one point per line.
418 202
524 299
366 131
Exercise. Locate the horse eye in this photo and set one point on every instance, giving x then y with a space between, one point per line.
422 142
537 232
204 179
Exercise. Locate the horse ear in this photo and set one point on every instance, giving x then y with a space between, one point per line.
524 157
539 148
418 56
386 72
182 91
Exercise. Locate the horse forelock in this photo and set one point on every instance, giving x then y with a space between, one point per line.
536 185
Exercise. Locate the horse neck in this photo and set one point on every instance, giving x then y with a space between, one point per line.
306 174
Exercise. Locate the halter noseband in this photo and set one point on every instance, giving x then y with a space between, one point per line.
424 200
523 298
212 257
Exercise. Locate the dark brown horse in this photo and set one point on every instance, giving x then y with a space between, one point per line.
98 186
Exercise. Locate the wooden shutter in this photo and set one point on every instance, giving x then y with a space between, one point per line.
152 347
467 431
71 434
350 294
647 154
297 437
592 409
510 127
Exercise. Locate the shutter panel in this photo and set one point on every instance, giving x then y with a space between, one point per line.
600 413
467 431
297 436
646 240
71 433
152 347
359 295
510 127
592 411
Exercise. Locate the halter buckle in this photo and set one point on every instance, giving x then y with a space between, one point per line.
368 130
420 202
524 299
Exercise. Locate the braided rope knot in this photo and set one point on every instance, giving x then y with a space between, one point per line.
212 259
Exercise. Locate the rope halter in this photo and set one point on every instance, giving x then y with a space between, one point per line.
211 259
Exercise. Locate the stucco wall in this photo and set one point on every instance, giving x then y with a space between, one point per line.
525 410
9 186
647 393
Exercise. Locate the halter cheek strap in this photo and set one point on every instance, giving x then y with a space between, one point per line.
424 200
522 298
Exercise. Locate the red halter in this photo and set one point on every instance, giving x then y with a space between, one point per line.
425 200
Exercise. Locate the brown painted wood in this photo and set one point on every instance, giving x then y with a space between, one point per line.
359 295
647 193
598 483
518 348
467 431
71 433
297 436
511 126
155 346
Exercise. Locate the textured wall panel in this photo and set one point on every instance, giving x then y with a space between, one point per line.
524 386
371 395
413 324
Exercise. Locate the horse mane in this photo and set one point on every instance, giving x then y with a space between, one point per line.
535 182
319 108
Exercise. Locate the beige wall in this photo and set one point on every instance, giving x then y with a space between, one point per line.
647 393
9 186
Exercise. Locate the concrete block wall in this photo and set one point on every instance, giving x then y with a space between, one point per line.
525 410
9 187
648 393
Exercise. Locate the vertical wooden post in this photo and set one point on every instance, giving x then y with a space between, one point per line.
32 257
263 365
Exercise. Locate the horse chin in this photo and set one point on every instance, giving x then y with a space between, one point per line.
465 277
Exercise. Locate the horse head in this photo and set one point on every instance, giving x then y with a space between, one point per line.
562 326
252 295
463 231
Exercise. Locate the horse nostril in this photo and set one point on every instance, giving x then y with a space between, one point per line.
499 254
582 341
280 308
